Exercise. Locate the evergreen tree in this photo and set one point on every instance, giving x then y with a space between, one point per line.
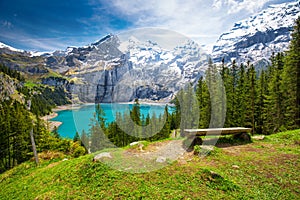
76 137
55 132
98 138
273 109
260 102
203 97
136 113
100 115
253 96
240 97
234 111
228 84
85 140
291 81
189 109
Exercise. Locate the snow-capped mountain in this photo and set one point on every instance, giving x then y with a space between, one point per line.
141 68
4 46
170 67
255 39
9 49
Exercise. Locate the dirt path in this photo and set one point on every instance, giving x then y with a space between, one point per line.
170 150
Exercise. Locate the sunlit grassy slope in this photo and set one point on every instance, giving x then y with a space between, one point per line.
267 169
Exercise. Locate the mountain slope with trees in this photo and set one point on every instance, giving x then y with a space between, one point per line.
266 101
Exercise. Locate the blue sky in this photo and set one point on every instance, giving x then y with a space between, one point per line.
39 25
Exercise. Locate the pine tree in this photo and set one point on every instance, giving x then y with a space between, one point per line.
76 137
291 81
136 113
260 102
189 109
234 113
228 84
85 140
100 115
55 132
203 98
135 121
253 96
273 113
98 137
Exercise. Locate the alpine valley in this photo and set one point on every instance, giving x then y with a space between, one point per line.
146 69
148 113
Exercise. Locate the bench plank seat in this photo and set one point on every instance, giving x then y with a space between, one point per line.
216 131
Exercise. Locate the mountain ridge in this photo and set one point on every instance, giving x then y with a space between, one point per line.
141 67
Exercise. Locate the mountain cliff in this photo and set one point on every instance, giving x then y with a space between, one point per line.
112 70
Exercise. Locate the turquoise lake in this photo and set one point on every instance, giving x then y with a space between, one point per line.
79 119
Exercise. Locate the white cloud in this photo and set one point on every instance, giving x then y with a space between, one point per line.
235 6
200 20
34 44
191 18
48 44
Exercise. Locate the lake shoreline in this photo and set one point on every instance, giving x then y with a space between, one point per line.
56 124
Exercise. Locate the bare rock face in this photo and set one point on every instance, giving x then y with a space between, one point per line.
8 88
105 72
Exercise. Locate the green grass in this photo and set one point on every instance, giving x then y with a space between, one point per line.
30 84
267 169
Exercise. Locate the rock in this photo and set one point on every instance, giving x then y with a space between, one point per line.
134 143
139 144
102 155
235 166
258 137
141 147
161 159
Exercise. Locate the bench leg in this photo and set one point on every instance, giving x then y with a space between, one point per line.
190 142
243 136
197 141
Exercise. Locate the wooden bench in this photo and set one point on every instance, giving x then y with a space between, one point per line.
239 132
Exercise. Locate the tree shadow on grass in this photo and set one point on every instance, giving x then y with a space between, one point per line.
220 142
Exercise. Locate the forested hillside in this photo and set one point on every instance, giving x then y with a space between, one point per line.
268 101
21 105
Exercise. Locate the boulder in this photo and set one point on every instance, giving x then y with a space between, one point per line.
134 143
102 155
258 137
